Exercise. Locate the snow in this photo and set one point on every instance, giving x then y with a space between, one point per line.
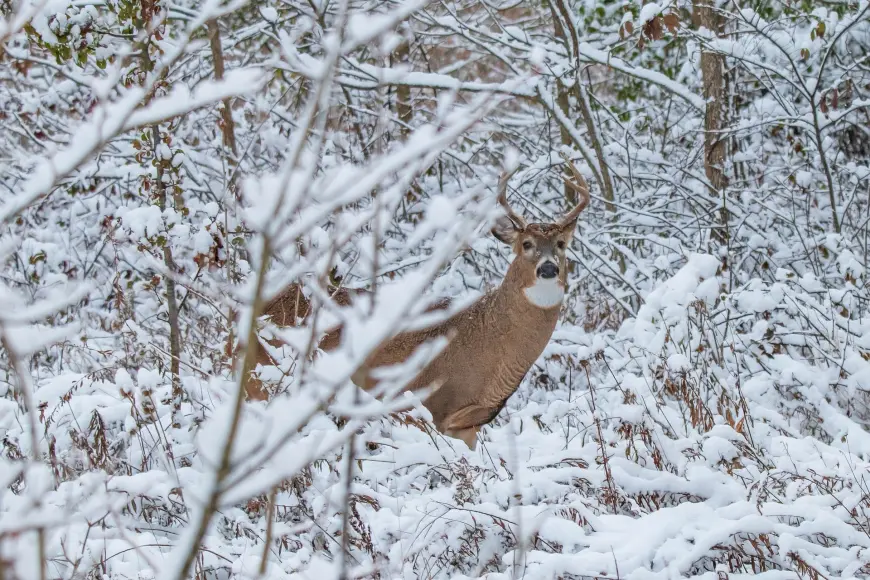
440 212
121 116
143 221
269 13
591 54
648 12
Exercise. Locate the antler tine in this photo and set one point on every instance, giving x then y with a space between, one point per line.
580 187
502 199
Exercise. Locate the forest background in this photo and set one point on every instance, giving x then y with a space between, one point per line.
166 166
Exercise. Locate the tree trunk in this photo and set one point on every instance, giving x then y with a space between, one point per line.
160 195
403 91
228 133
561 12
713 78
228 129
171 299
563 102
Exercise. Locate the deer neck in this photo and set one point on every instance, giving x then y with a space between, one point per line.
533 307
518 330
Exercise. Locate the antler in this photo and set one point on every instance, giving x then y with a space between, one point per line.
517 219
580 187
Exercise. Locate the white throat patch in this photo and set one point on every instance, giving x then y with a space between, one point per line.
546 293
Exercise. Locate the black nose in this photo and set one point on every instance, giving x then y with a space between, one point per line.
548 270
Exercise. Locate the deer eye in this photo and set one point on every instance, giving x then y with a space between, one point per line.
527 245
560 244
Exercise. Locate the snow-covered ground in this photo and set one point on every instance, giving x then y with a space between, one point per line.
677 447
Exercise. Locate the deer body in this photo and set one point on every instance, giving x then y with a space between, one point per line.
482 365
492 343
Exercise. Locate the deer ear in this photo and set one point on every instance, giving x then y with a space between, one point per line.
505 230
567 233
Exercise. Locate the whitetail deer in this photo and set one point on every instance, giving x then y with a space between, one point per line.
493 342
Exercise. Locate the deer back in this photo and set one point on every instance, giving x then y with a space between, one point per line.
287 309
291 307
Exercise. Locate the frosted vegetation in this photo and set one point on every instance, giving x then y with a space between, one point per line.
166 166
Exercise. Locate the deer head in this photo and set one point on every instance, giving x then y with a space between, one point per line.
540 267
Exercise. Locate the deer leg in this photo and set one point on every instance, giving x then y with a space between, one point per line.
468 435
466 423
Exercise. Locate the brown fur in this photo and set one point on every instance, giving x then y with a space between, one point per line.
291 306
286 309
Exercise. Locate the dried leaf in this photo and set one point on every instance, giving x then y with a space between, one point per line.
653 29
672 22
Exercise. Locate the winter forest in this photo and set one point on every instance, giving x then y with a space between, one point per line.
169 168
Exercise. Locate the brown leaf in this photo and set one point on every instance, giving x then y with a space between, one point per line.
653 29
823 104
629 27
672 22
